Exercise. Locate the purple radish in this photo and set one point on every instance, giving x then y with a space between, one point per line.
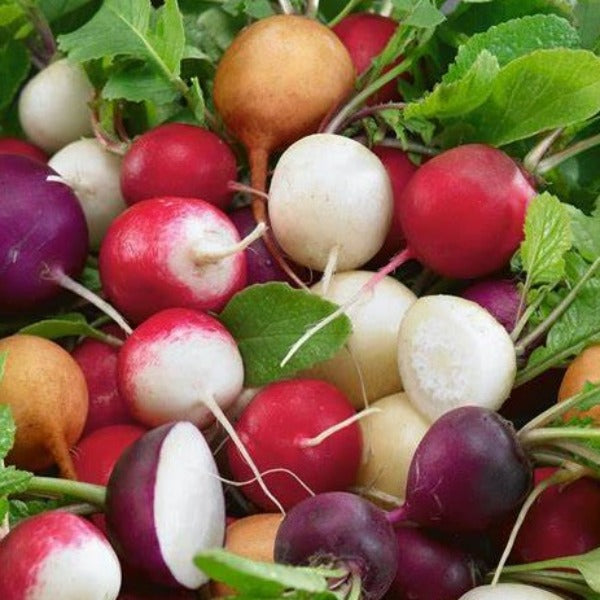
500 297
164 505
468 472
342 529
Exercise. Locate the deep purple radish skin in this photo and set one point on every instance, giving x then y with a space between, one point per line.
500 297
343 529
43 230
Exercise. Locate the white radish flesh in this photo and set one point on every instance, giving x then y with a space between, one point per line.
330 194
451 353
509 591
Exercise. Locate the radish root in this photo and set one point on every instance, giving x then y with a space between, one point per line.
203 257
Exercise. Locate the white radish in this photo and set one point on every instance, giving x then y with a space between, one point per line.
54 105
329 196
451 353
93 174
509 591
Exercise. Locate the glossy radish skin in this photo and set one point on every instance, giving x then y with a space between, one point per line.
468 472
297 410
43 229
478 187
165 504
509 591
178 159
365 35
328 192
9 145
344 529
500 297
451 353
174 360
58 555
98 362
152 258
431 568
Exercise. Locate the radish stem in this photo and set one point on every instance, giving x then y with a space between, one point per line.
51 486
532 160
547 164
203 257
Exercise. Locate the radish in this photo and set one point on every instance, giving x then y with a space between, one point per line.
509 591
53 106
93 174
57 555
330 202
365 35
98 362
298 410
176 159
9 145
164 505
372 348
46 392
172 252
500 297
452 352
342 530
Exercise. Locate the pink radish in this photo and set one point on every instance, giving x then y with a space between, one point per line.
172 252
298 410
10 145
365 35
98 361
164 505
182 160
57 555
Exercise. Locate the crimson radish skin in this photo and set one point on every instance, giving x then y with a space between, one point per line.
58 555
509 591
178 159
452 353
330 194
500 297
345 530
56 240
93 174
53 106
165 504
9 145
167 252
175 364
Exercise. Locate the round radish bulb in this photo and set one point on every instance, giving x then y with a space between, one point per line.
10 145
298 410
468 472
345 530
509 591
373 346
182 160
451 353
98 361
165 504
500 297
58 555
93 174
43 231
54 105
330 194
175 364
429 568
365 35
478 187
171 252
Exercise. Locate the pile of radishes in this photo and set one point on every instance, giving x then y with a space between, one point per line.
387 463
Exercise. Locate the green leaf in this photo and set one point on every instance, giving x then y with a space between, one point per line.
3 357
4 508
199 106
55 9
259 579
419 13
13 481
9 13
137 84
460 96
7 430
586 233
267 319
14 67
63 326
169 36
547 239
587 15
258 9
513 39
537 92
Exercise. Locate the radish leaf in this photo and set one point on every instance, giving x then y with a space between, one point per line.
63 326
13 481
7 431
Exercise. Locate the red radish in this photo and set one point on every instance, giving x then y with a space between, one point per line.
500 297
98 361
182 160
171 252
164 505
298 410
365 35
9 145
53 105
44 234
57 555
